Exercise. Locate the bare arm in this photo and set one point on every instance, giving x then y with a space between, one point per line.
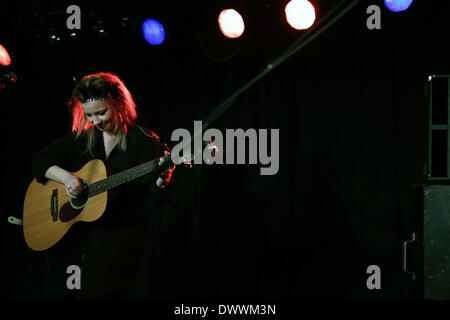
57 174
74 185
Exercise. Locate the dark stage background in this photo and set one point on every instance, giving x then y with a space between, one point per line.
352 115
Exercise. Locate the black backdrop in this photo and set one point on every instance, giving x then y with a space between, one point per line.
351 111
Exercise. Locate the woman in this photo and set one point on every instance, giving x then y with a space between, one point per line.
104 127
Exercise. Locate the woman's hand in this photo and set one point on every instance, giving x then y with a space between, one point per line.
166 175
74 186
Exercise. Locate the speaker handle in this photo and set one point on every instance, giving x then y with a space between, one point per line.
405 249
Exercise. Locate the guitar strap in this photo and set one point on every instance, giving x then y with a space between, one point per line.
14 220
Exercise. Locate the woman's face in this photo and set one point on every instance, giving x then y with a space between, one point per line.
99 113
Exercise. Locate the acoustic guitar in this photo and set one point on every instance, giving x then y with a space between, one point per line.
48 212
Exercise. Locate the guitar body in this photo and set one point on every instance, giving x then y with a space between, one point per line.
48 213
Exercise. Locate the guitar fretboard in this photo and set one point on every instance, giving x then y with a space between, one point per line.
123 177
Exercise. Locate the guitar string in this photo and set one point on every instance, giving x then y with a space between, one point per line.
109 181
119 176
112 179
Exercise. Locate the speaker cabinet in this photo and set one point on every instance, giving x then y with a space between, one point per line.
426 254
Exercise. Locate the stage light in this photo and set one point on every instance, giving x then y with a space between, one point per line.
127 24
52 36
397 5
300 14
100 29
5 59
153 32
231 23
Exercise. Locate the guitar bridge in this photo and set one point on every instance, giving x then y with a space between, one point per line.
54 205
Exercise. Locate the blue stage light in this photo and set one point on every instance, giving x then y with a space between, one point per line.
153 31
397 5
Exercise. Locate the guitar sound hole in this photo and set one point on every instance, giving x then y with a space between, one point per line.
80 201
71 210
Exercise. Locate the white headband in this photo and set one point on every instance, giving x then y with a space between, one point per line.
92 99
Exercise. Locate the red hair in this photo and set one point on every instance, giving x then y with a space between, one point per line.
109 87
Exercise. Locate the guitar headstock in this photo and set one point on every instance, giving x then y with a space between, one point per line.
189 159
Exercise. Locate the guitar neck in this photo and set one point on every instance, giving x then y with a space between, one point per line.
125 176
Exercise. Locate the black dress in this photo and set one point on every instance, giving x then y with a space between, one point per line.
109 250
